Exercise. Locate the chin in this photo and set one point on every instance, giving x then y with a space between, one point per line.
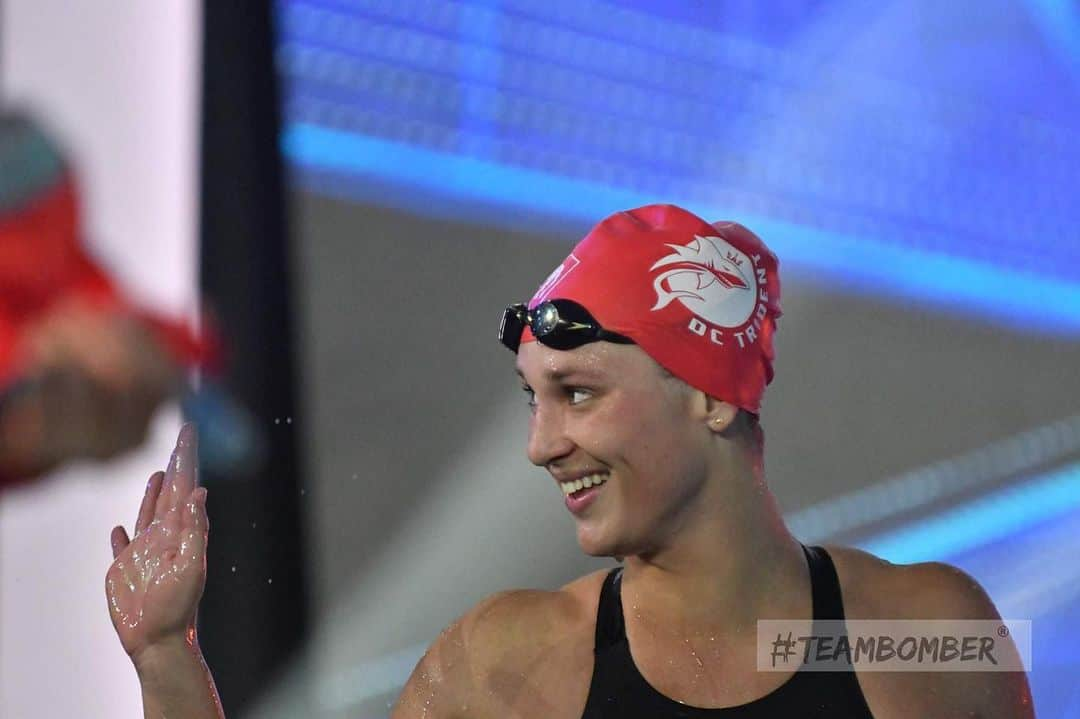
596 545
596 552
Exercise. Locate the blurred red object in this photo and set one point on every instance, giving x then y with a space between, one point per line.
42 263
83 368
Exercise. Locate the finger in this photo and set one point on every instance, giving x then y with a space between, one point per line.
181 475
161 504
119 539
202 522
149 501
195 511
193 545
187 462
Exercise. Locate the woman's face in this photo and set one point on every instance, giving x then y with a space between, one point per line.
606 408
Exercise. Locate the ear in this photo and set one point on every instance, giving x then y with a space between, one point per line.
719 414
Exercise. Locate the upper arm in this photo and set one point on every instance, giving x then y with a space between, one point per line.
476 666
941 591
444 681
440 684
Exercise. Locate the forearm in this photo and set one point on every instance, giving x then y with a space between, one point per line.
177 684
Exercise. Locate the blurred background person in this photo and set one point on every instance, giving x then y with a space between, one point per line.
82 371
112 86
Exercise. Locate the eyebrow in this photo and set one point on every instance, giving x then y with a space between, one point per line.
559 375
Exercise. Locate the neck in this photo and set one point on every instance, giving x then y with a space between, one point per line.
726 564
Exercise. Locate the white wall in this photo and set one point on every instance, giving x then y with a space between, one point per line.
117 83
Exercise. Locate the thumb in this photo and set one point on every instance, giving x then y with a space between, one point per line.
119 540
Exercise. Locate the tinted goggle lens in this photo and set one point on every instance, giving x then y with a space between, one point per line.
559 324
545 320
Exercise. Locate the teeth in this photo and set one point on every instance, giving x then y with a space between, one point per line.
578 484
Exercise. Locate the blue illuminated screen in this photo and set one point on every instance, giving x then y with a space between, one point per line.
919 150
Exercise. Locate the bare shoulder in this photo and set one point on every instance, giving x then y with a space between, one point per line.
874 588
502 656
516 623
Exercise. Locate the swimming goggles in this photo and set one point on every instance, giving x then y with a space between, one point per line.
558 324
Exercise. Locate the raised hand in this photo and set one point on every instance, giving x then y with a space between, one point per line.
156 579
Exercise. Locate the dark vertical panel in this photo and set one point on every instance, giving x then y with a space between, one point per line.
253 614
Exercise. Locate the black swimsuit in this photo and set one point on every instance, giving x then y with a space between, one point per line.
619 691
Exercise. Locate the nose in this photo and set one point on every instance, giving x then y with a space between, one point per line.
547 436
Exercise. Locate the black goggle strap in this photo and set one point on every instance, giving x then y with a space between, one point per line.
512 325
585 328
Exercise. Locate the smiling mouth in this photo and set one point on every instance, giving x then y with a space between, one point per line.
592 480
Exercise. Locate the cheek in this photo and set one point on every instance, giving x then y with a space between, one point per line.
637 435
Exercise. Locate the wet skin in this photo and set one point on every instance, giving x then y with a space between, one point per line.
608 408
157 578
528 653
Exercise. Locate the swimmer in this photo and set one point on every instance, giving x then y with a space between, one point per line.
643 358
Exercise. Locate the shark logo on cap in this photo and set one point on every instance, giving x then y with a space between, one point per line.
711 278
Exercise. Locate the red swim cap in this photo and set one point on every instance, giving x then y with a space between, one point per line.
700 299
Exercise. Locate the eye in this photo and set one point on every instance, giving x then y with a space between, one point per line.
578 395
530 394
